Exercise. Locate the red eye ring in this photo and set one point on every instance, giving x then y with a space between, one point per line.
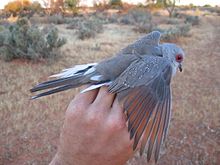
179 57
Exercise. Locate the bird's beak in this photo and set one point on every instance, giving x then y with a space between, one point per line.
180 68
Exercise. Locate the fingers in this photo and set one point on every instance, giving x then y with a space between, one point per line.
104 99
86 98
82 101
117 119
117 110
102 112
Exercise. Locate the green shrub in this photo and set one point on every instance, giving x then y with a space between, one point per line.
136 17
114 18
207 5
141 19
214 10
144 28
140 16
191 6
140 5
115 3
85 33
179 15
157 13
2 28
36 7
172 21
102 16
184 29
22 40
5 23
193 20
56 19
75 23
126 19
86 27
174 33
72 5
89 28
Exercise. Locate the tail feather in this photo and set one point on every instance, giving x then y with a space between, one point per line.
69 78
55 83
58 86
52 81
59 89
78 69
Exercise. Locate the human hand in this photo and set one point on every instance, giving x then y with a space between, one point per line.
94 131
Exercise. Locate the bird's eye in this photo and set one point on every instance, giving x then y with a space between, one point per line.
179 58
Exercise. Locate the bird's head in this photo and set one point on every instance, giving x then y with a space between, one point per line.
174 53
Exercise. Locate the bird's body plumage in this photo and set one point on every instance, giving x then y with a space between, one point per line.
140 75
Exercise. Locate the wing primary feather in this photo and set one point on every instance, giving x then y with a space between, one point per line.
153 86
129 108
130 99
154 132
161 128
133 112
142 127
148 130
156 127
168 115
138 119
160 91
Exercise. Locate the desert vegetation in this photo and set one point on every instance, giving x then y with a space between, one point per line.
37 40
21 40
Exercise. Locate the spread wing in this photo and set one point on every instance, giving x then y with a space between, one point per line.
144 90
147 44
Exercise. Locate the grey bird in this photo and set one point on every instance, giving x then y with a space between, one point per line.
140 75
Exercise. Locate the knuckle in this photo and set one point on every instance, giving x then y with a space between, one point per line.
93 118
115 125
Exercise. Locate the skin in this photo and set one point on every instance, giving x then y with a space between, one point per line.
94 131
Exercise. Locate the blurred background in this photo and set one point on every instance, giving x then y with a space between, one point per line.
40 38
